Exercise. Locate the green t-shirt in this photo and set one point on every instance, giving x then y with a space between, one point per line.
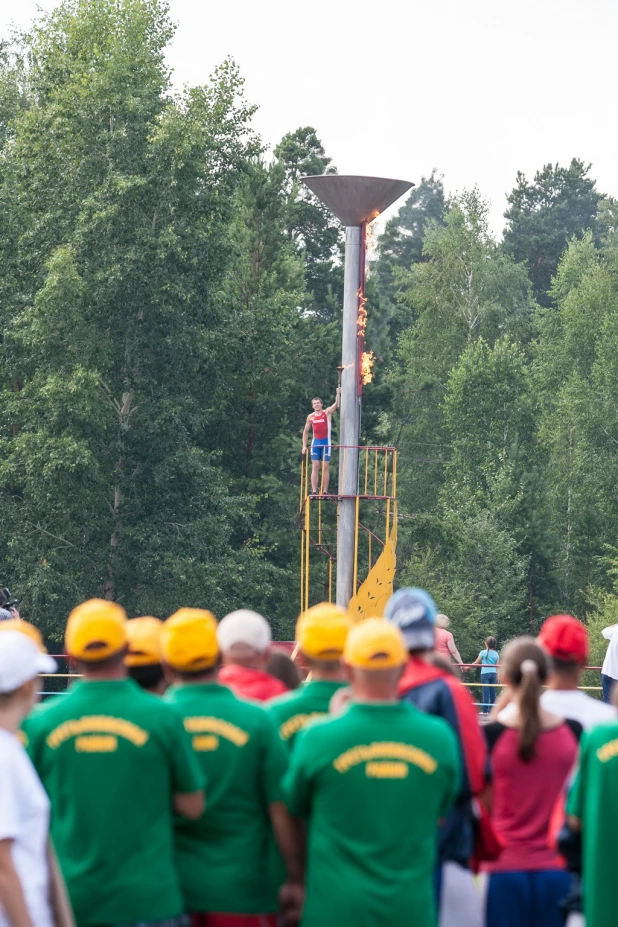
223 858
110 757
295 709
373 783
594 800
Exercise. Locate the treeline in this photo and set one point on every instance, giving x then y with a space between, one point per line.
504 401
170 303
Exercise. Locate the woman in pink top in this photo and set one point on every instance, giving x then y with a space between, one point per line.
532 755
445 642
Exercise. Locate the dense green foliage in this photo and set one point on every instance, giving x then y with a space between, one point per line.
170 303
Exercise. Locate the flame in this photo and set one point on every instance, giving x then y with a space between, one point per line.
361 318
367 361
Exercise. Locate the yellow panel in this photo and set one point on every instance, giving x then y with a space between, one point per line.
377 589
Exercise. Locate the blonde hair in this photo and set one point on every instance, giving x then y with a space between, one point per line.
525 668
442 621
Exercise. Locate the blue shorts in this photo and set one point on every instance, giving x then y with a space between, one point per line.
320 449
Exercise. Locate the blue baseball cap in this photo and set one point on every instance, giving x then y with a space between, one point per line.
414 612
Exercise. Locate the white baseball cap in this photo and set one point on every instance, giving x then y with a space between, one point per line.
21 661
242 630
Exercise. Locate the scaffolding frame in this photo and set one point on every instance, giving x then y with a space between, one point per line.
377 484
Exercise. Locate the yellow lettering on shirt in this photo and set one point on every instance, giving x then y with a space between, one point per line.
97 724
201 725
387 770
96 743
23 738
608 751
385 750
203 743
296 723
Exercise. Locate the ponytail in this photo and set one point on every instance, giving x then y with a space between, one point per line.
529 709
525 668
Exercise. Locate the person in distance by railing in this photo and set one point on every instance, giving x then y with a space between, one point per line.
488 660
445 642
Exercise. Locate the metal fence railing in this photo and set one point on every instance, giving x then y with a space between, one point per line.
58 683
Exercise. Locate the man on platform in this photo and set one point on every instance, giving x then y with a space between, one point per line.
320 419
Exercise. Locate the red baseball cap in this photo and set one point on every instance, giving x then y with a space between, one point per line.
565 638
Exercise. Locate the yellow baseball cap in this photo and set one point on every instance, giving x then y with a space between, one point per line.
375 644
18 624
321 631
189 640
144 639
96 630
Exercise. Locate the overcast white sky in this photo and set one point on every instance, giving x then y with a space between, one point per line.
476 88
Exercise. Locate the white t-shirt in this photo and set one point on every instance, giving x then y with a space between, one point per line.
578 706
571 704
610 663
24 819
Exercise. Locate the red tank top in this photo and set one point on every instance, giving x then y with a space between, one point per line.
320 425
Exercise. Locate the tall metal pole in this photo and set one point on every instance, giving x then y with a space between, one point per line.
354 200
349 428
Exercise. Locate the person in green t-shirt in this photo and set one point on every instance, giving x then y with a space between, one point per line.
222 859
115 762
592 807
321 633
372 783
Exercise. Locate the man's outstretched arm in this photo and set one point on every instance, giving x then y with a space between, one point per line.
306 433
335 404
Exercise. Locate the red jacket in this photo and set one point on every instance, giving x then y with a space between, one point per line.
251 683
429 684
436 692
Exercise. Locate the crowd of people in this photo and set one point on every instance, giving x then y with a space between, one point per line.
181 783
